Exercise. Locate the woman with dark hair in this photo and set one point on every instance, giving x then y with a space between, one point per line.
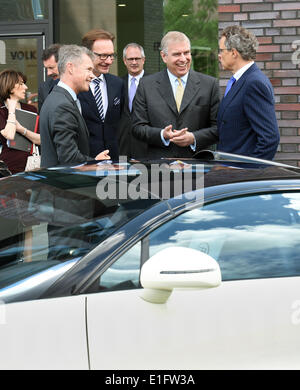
12 90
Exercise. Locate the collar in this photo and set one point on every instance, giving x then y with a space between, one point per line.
173 78
138 77
101 77
241 71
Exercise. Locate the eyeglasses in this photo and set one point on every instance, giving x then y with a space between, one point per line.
220 50
134 59
105 56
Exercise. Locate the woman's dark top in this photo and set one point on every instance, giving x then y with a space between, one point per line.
14 159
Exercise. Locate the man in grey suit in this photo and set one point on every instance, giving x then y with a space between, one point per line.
64 134
134 60
175 110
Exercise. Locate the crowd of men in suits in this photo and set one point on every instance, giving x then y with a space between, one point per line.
86 113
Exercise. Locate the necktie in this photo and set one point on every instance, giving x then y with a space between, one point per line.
230 83
179 94
132 91
98 98
78 105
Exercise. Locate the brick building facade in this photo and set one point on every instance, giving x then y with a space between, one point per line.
276 25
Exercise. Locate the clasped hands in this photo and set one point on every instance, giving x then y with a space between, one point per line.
181 137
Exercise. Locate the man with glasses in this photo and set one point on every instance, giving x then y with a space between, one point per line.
134 60
102 104
247 122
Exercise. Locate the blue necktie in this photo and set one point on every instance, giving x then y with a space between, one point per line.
230 83
98 98
132 91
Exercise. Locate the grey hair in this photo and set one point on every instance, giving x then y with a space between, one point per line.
71 53
136 45
172 36
237 37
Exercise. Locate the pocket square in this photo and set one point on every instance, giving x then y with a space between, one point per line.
116 101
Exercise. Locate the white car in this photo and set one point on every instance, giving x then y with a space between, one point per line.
205 280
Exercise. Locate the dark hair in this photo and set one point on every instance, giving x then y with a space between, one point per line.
90 37
50 51
8 79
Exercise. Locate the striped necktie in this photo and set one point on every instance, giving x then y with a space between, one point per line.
98 98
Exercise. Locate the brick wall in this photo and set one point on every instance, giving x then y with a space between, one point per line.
276 25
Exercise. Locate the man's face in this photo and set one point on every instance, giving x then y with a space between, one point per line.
134 61
178 59
82 74
103 48
225 56
51 66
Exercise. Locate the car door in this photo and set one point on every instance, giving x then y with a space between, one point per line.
250 321
44 334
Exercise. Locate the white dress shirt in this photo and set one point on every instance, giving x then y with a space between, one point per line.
241 71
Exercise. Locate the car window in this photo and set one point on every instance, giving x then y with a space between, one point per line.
124 273
250 237
51 217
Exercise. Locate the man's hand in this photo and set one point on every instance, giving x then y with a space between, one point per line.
103 155
183 138
169 134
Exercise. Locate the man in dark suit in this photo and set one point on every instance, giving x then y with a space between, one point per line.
134 60
175 110
247 122
102 104
50 60
64 135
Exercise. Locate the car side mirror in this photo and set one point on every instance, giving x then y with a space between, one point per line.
177 267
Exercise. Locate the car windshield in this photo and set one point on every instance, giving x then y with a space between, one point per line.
51 217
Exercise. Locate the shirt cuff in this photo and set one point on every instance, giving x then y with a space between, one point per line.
164 141
193 146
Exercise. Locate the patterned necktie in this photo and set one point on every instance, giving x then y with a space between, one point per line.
230 83
98 98
132 91
179 94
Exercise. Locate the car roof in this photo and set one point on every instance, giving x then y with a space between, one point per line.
215 167
218 168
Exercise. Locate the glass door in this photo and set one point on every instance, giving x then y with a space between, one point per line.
23 53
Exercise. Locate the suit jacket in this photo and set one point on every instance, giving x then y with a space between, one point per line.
64 134
246 120
129 145
44 89
154 108
104 135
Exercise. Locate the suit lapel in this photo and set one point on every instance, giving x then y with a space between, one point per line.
83 126
191 88
91 101
165 90
110 94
